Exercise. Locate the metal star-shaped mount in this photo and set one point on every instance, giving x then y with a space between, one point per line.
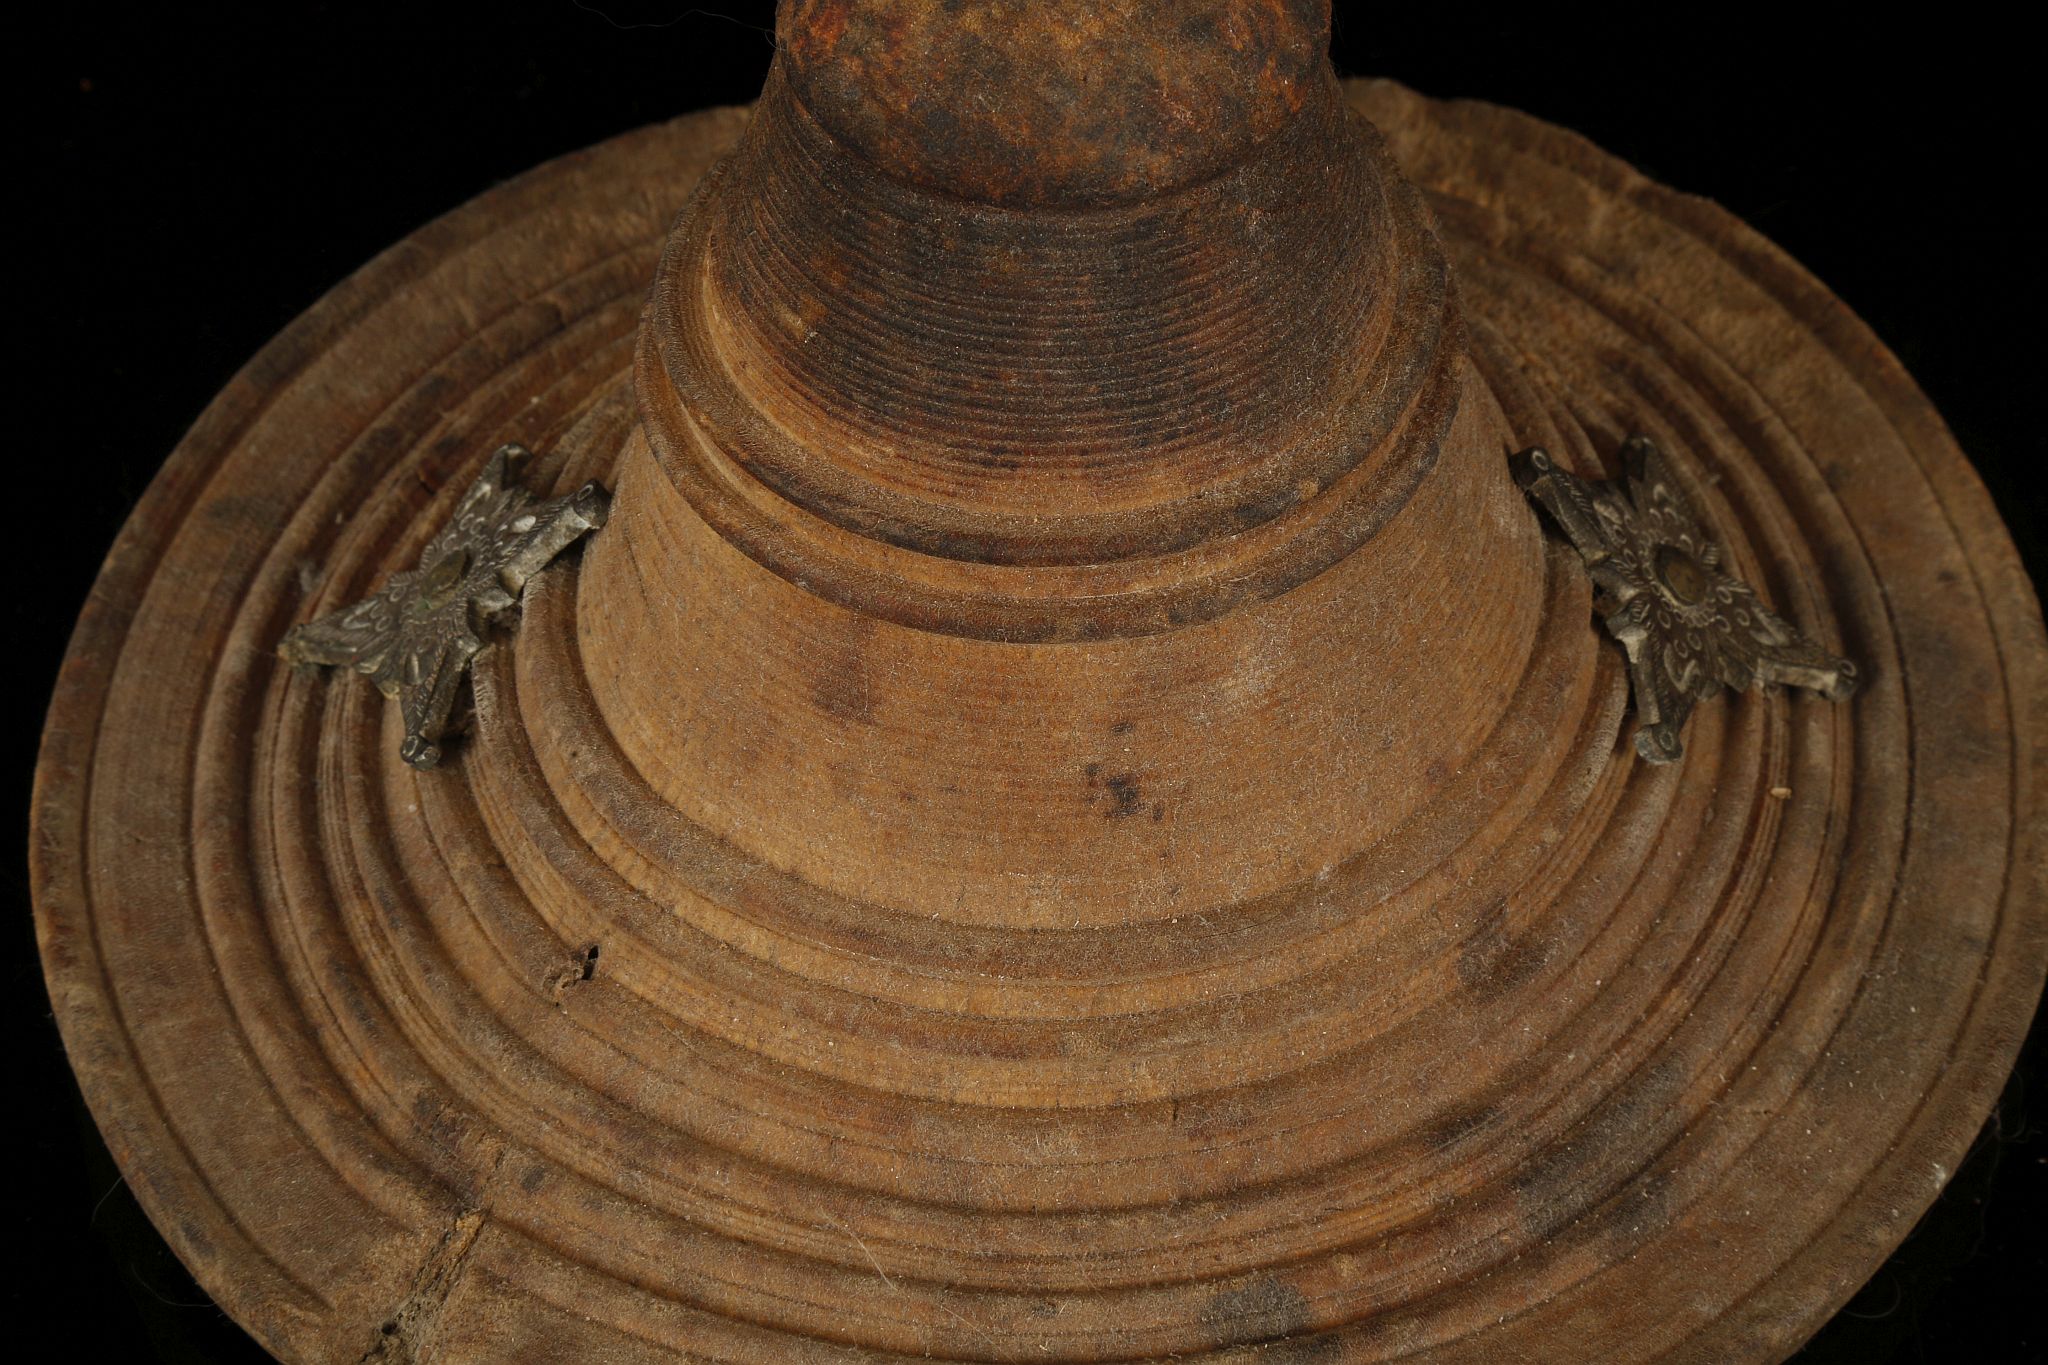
418 634
1688 627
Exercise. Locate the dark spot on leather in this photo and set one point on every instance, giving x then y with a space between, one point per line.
1259 511
1267 1312
839 677
200 1244
1125 797
1599 1172
1493 963
1122 792
1458 1125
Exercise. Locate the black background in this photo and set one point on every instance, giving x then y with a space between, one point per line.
200 175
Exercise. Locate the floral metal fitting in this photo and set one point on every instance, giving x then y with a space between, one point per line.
417 635
1689 628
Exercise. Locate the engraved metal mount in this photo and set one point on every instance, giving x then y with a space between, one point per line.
416 636
1689 628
